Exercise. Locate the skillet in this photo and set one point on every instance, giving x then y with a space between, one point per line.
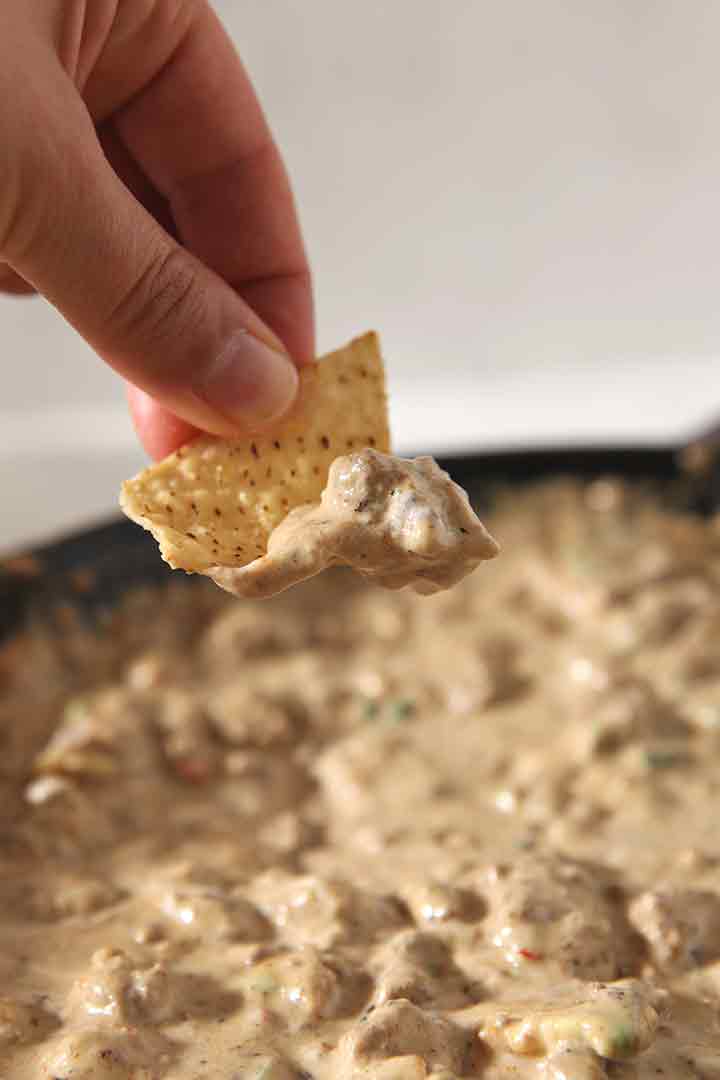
92 569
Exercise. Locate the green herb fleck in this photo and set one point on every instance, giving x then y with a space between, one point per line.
264 983
400 710
623 1042
390 712
76 711
663 759
370 709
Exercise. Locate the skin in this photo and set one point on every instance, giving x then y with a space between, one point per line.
142 194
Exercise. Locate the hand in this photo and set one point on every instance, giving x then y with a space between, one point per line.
141 193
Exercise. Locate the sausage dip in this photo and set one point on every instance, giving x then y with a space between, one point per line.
347 833
396 521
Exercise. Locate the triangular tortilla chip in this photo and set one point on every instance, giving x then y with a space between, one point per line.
215 501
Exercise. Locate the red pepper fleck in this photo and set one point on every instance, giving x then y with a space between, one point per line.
194 770
529 955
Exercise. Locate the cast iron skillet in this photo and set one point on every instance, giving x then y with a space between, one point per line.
93 569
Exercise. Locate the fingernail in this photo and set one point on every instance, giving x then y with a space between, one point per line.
249 383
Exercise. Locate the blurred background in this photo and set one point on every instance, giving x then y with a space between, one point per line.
523 198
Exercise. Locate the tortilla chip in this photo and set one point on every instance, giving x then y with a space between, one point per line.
215 501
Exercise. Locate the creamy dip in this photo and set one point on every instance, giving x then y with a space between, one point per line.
347 833
398 522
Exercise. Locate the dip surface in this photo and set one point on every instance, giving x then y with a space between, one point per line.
356 834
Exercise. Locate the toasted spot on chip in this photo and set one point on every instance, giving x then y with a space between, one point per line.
215 501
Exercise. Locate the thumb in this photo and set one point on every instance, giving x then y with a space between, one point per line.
152 310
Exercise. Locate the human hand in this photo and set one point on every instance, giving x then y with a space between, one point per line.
142 194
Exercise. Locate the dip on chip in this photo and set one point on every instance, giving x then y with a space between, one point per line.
396 522
258 515
215 501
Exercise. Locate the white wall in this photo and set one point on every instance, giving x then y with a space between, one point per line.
523 197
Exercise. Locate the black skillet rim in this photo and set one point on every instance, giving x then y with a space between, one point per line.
93 568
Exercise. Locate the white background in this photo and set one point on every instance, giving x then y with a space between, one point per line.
523 197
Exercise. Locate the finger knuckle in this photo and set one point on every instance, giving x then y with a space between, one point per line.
163 294
153 28
33 179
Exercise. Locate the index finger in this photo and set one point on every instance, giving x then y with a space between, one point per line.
197 130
